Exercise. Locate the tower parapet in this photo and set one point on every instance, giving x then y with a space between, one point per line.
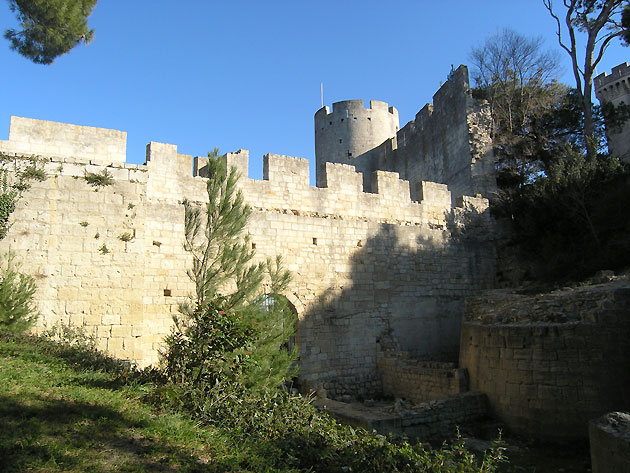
351 130
615 89
615 86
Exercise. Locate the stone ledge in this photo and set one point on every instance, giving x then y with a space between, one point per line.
609 437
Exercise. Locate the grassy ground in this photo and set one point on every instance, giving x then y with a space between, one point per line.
67 410
58 414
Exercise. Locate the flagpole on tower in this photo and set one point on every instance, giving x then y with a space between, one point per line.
322 90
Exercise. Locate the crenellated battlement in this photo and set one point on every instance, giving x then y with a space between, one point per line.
447 142
350 130
607 84
348 107
170 177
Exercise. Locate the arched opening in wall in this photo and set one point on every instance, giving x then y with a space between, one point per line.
287 313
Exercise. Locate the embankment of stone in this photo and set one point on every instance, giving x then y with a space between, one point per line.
550 363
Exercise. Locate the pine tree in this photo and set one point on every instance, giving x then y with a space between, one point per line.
232 335
49 28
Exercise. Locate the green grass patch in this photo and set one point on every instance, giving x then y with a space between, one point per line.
64 407
59 415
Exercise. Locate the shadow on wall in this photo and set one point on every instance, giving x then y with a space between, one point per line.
403 281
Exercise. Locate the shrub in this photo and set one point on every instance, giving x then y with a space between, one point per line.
572 221
101 179
16 174
126 237
218 352
232 333
71 337
17 310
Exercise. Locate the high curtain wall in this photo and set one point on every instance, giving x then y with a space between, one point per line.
110 258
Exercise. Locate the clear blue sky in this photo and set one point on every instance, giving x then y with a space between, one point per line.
246 74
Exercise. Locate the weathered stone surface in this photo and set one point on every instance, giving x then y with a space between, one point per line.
609 438
437 419
448 141
550 363
417 381
614 88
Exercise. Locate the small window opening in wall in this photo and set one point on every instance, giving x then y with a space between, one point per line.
253 246
347 113
167 292
355 118
342 119
370 118
340 140
314 241
349 154
330 123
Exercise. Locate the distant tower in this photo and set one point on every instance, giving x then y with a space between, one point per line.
615 88
351 130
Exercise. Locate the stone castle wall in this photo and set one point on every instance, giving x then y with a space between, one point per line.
351 130
609 439
550 363
614 88
30 136
362 262
447 142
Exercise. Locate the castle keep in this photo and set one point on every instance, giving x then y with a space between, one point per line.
375 249
614 88
447 142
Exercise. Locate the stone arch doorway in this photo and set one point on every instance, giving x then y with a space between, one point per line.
289 303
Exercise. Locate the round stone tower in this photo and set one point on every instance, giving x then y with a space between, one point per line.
351 130
615 89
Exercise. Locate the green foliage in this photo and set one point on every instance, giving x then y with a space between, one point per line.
287 433
17 310
213 348
599 22
71 337
221 253
8 200
100 179
126 237
49 28
103 249
72 409
84 223
232 337
16 174
573 220
32 172
625 24
516 75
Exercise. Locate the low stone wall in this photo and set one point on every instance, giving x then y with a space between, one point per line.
418 381
433 420
550 363
610 443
